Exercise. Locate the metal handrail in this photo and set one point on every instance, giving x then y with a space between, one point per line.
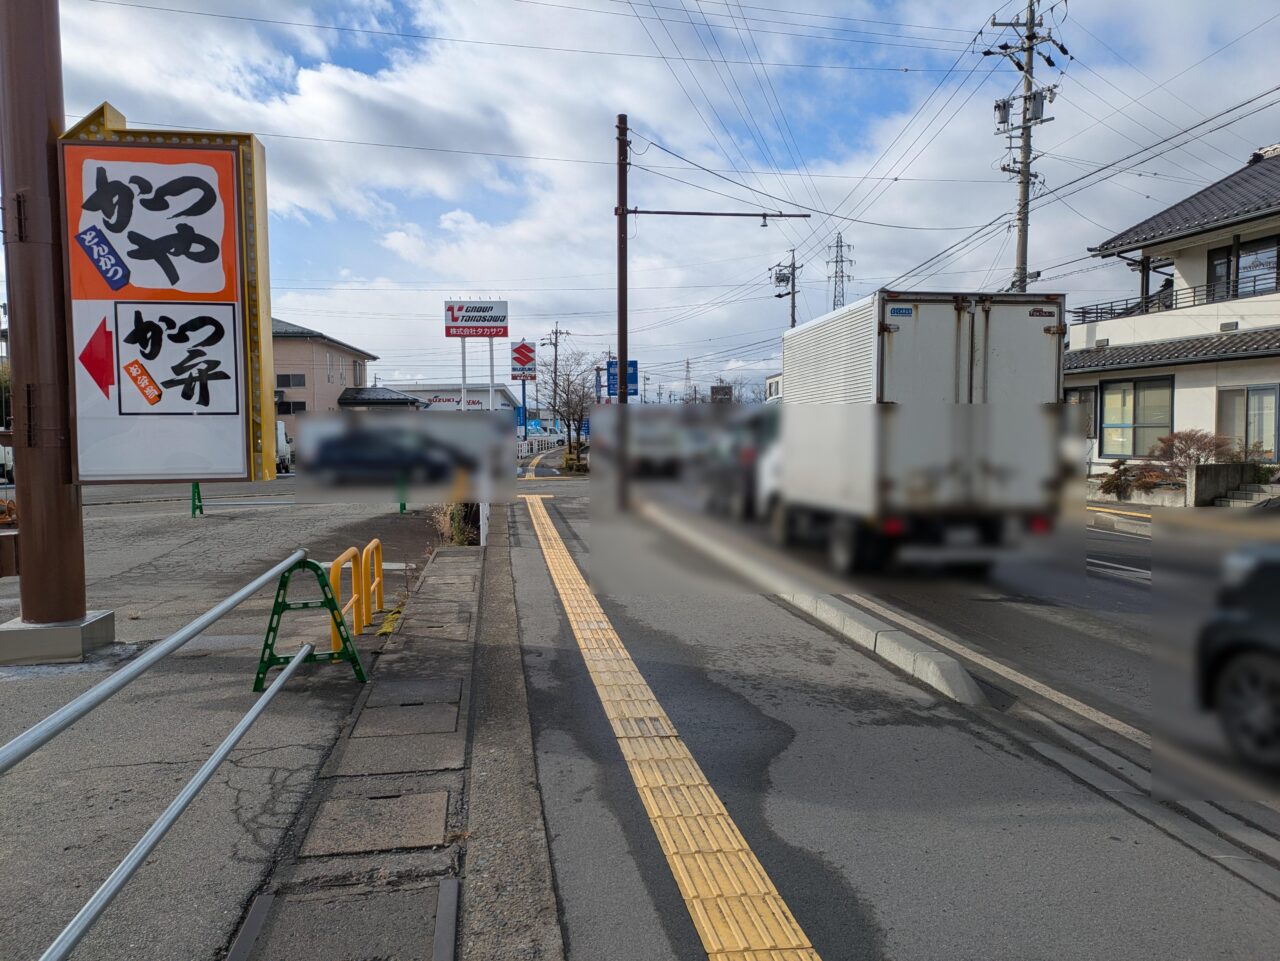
1175 298
40 734
79 926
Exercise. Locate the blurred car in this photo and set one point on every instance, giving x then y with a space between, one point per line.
1238 655
384 458
734 471
656 446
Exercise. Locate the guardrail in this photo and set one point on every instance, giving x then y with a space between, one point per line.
538 445
41 734
79 926
46 730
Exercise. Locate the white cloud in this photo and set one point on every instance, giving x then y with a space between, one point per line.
470 223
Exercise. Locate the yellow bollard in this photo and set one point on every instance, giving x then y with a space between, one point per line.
356 604
372 560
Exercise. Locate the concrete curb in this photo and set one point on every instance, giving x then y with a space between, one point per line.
931 667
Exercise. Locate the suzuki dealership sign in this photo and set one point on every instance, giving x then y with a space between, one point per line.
170 333
524 361
475 318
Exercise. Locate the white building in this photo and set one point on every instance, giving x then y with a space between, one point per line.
773 388
448 396
1201 349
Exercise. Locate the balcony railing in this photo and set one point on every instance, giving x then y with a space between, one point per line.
1175 299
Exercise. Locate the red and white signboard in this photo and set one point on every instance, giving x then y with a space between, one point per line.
524 361
475 318
157 299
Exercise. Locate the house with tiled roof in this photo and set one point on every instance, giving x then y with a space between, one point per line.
312 371
1198 346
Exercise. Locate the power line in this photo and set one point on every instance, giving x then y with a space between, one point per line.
933 43
401 35
825 213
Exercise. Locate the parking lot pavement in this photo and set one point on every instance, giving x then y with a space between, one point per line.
78 805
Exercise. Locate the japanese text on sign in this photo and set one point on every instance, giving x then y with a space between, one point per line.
475 318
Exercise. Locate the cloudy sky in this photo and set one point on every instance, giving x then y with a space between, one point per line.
430 149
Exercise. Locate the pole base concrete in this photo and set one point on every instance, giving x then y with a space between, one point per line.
57 643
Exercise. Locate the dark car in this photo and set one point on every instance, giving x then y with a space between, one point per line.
384 458
1238 655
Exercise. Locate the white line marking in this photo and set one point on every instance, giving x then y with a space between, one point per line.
1141 572
1139 537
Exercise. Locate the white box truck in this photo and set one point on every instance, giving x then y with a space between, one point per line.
926 420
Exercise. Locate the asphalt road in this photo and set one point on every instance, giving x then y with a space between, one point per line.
893 824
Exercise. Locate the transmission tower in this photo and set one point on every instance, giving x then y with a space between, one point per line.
837 278
1023 56
688 382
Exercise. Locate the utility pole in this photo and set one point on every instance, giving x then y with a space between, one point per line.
644 390
837 280
784 275
51 543
552 340
620 212
1023 57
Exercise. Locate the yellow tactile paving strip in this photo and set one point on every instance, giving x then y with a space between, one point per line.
737 911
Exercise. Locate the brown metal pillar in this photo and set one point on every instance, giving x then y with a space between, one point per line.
1235 266
51 544
1145 290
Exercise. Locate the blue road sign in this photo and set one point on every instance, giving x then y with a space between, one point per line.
633 378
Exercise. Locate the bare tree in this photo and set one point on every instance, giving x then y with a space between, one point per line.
572 389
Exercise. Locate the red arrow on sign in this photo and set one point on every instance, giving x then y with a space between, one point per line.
98 361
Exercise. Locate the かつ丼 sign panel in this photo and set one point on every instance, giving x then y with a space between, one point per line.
168 352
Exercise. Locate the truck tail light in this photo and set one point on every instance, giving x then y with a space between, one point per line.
893 527
1039 524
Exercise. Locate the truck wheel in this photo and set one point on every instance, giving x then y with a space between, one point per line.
782 526
1248 702
842 546
854 548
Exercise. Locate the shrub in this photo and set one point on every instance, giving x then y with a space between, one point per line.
1184 449
1148 480
1119 483
464 524
1253 454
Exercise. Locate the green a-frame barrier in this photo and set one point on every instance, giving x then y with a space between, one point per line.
270 658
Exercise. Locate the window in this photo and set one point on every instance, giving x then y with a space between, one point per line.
328 366
1219 277
357 373
1257 273
1257 267
1083 419
1135 415
291 380
1247 415
291 407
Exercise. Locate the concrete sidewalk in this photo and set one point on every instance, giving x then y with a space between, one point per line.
426 817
